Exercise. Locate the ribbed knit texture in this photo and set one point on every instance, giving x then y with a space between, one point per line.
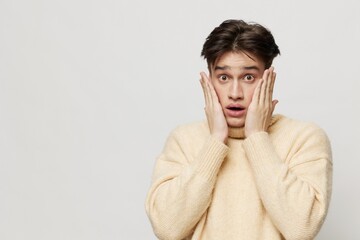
210 159
272 185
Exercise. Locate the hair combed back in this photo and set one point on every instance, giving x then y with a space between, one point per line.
237 35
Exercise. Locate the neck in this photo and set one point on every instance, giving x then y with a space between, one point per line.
237 132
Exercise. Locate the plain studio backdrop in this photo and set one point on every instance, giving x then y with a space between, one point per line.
89 91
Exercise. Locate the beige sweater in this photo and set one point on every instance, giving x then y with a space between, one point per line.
272 185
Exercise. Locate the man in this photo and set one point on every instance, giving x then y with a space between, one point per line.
243 173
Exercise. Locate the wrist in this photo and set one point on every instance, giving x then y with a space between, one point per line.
249 133
220 136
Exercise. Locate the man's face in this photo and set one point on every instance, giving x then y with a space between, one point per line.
235 76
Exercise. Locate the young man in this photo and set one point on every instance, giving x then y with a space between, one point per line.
243 173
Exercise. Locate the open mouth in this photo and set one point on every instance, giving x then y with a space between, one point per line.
235 110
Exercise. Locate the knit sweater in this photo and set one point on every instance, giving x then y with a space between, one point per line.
271 185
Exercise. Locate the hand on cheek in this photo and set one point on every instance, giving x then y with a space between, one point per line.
214 113
262 106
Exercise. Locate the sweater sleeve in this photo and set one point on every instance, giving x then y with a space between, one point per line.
296 190
181 188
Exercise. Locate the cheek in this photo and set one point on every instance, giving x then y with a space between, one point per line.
220 92
250 93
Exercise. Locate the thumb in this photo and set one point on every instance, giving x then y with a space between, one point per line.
274 103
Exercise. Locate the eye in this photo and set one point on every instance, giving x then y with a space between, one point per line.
223 78
249 77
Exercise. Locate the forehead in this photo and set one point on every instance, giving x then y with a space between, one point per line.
238 60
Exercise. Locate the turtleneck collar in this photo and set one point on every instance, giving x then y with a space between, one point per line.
239 133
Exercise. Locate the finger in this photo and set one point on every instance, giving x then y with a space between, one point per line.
204 77
271 91
267 97
203 89
272 84
207 89
262 93
203 86
274 103
271 87
256 96
213 93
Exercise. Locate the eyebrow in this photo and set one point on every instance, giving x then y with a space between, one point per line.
243 68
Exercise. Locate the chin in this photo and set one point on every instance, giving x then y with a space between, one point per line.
236 123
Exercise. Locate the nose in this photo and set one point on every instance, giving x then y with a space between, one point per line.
236 91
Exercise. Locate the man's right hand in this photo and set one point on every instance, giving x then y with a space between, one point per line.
214 113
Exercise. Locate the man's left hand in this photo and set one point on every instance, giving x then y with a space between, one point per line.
262 106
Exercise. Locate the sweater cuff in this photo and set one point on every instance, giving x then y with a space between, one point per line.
211 157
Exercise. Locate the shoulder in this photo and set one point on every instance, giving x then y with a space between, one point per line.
298 133
283 124
189 134
187 138
191 130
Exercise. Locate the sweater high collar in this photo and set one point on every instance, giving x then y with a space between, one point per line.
239 133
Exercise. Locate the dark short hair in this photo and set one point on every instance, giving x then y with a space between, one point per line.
237 35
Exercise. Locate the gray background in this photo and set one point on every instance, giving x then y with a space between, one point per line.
89 91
